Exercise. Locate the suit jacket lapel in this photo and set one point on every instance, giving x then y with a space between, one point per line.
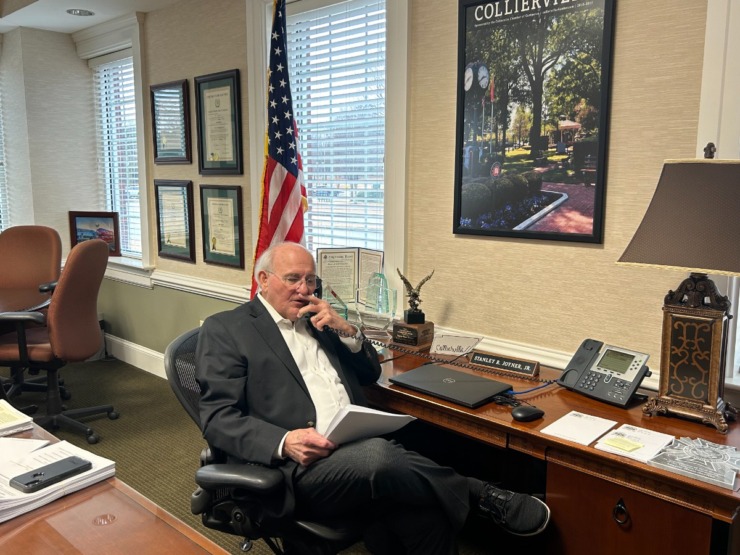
266 327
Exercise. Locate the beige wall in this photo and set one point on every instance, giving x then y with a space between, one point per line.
49 129
548 293
190 39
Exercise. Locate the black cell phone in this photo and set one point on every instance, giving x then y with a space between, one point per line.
34 480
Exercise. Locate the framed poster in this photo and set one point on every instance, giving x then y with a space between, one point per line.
175 231
219 123
84 226
532 107
223 236
171 122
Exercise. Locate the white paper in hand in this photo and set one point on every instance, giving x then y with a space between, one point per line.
354 422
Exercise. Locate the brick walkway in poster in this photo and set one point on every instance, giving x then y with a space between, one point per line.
575 215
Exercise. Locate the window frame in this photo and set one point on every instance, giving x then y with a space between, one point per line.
719 123
259 21
4 189
101 40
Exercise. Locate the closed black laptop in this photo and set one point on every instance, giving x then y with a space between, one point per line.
465 389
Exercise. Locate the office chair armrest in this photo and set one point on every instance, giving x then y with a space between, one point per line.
36 317
47 287
256 479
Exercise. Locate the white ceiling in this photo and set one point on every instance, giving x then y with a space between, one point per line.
51 15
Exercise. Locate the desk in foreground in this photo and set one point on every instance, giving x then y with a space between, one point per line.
629 506
108 517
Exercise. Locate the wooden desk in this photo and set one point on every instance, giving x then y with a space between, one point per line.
668 512
108 517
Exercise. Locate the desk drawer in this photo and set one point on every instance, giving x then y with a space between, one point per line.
586 511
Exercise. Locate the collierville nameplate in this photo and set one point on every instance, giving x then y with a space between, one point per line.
519 366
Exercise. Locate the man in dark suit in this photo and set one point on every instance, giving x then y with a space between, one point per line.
273 372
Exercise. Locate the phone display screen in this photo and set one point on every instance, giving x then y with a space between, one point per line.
616 361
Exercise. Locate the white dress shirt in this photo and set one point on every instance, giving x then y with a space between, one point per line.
324 386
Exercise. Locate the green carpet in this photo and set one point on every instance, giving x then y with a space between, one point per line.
155 444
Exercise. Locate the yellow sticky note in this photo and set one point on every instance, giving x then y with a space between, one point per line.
623 444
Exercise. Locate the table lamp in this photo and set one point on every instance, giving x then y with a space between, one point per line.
693 224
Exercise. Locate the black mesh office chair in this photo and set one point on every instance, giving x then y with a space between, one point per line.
229 495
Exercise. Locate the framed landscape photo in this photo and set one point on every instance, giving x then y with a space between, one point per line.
218 104
223 236
175 231
532 111
171 122
84 226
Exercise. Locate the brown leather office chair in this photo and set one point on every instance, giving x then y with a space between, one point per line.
71 333
31 256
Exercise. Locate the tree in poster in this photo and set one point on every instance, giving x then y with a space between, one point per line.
545 65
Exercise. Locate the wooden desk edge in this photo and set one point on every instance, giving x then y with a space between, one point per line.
495 429
138 498
166 517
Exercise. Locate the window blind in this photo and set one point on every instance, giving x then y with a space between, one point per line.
115 105
336 56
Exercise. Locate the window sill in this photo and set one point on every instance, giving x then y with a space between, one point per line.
129 270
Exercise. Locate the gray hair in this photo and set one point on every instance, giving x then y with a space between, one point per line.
265 261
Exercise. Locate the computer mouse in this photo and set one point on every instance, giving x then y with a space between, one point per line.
526 413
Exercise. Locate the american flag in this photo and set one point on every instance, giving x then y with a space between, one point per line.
283 191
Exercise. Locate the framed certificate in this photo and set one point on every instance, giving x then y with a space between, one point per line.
223 236
219 123
175 231
171 122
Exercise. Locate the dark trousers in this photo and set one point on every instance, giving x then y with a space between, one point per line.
420 502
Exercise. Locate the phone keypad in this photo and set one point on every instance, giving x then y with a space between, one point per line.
589 380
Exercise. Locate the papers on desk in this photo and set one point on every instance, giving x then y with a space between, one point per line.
579 427
633 442
354 422
12 420
14 503
15 447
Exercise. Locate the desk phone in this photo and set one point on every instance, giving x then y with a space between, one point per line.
605 372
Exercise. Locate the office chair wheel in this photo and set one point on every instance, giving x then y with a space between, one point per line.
65 394
113 415
92 439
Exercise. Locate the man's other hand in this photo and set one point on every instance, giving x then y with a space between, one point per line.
306 446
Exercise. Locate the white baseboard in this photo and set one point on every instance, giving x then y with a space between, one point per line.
136 355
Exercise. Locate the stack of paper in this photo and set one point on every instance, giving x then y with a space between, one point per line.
579 427
354 422
633 442
12 420
14 503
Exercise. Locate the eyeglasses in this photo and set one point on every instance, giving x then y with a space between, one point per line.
294 280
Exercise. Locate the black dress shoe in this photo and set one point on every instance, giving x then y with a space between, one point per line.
516 513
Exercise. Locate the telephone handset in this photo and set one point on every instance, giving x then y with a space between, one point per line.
605 372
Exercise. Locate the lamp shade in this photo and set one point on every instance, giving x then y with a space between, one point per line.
693 221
